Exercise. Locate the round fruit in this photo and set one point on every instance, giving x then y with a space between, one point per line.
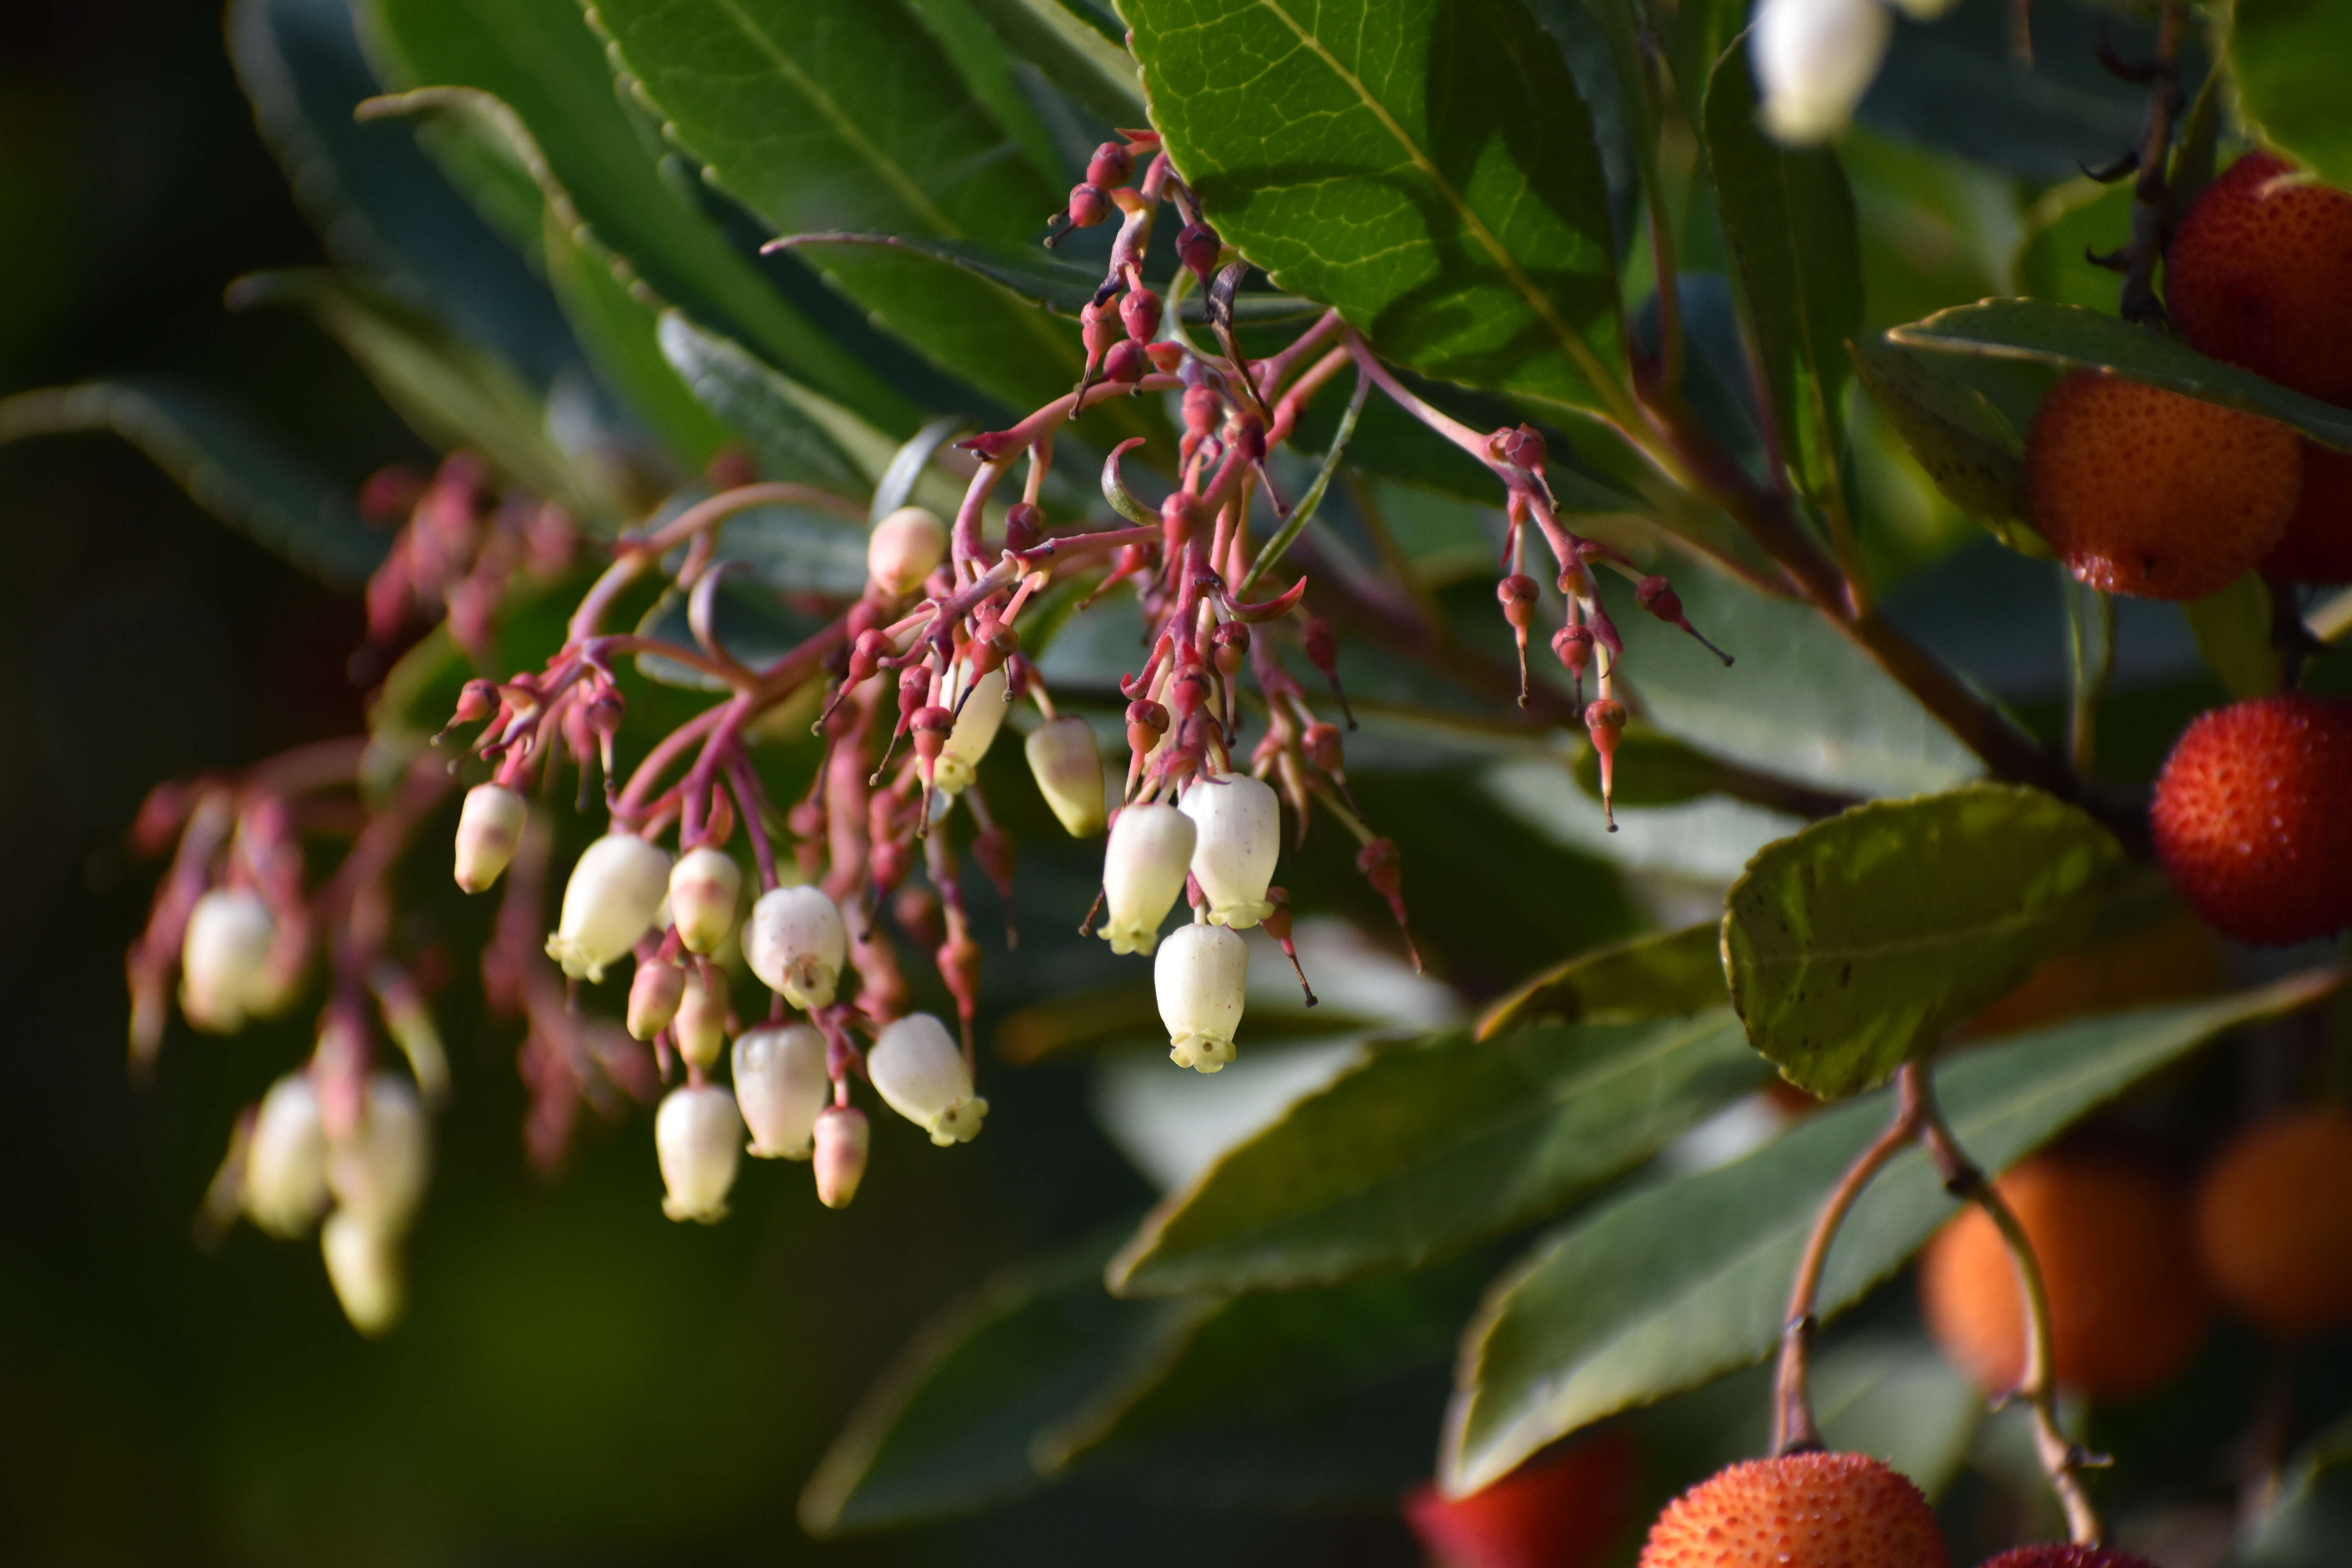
2318 545
2063 1555
1562 1512
2253 817
2255 276
2275 1222
2127 1308
1799 1511
2145 492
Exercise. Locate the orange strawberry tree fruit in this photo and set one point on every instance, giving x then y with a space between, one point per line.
1488 577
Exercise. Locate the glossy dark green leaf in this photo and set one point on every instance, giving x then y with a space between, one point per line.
2288 58
1788 216
1424 166
227 465
619 332
1039 279
1661 974
453 392
951 1426
380 202
1082 60
2071 338
1429 1146
541 59
1673 1285
2232 628
1955 433
793 431
972 46
1854 945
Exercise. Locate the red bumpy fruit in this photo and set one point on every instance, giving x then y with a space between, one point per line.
1799 1510
2145 492
2318 545
2275 1222
2253 817
2255 276
1562 1512
2060 1555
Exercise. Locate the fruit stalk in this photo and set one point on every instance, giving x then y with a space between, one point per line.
1793 1429
2063 1460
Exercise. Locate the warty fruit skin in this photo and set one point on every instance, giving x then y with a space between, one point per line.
2145 492
2255 276
1799 1510
2317 544
2127 1305
2275 1222
2253 817
2064 1554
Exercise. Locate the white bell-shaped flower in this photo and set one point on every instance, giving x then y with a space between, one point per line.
842 1136
364 1265
905 548
978 719
699 1139
1814 59
655 992
378 1173
701 1023
919 1071
1067 762
1144 864
286 1160
781 1087
614 895
225 960
490 828
1201 976
703 888
796 945
1239 819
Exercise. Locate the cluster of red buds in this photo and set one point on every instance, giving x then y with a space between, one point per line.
460 548
913 681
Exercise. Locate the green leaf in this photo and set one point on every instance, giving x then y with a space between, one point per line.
1429 1146
2069 221
1802 702
1673 1285
1788 216
2233 632
453 393
540 58
822 115
2288 58
972 47
230 467
1074 55
618 330
1059 286
791 429
951 1426
1658 975
1853 946
1428 169
2071 338
384 207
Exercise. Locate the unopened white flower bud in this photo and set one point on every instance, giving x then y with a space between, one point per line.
781 1087
1067 762
1239 819
701 1023
1814 59
841 1137
655 994
489 828
1201 976
378 1173
977 721
919 1071
796 945
699 1139
905 548
225 960
615 894
364 1264
285 1162
1144 864
703 888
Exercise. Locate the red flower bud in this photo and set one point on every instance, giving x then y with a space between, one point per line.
1146 721
1165 357
1203 410
1323 748
1099 325
930 727
1605 720
1198 246
1574 647
1024 526
1112 167
1322 647
1516 594
1382 867
1126 363
1658 597
1140 312
1089 204
1229 645
865 658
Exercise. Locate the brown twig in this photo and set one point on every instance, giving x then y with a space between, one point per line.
2139 298
1793 1429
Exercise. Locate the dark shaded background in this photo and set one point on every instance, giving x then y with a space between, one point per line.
580 1381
